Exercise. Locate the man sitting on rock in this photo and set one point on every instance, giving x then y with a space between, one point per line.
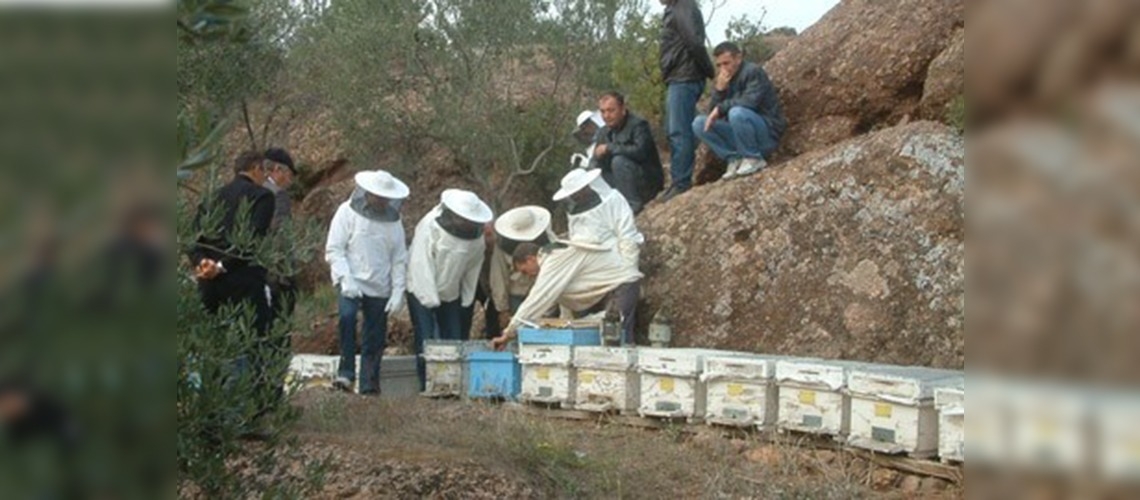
626 154
578 277
745 121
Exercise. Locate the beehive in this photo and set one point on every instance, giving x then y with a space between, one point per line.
547 373
1118 437
605 379
740 390
493 375
951 405
443 362
811 396
670 383
892 408
1049 428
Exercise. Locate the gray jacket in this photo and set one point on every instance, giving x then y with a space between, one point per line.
752 89
684 57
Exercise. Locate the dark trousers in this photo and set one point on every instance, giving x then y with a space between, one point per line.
443 323
373 338
625 176
240 287
491 328
624 298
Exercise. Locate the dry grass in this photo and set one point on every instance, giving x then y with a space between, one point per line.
574 459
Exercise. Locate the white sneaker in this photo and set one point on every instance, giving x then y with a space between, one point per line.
751 166
733 166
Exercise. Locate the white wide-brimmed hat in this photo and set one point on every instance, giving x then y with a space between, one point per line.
523 223
381 183
467 205
594 116
574 181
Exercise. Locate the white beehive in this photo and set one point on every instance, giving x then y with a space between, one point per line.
1118 437
951 405
811 396
892 408
443 362
605 379
1049 428
670 382
740 390
990 426
547 373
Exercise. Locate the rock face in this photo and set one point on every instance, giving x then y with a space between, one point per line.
853 252
860 68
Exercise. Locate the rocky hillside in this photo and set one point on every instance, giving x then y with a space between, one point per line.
853 251
869 64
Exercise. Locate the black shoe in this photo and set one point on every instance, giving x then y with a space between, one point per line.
672 192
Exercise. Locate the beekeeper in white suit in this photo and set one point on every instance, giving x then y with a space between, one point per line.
578 277
443 267
589 122
526 224
368 258
599 215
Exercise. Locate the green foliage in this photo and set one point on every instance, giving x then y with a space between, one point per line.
218 397
749 35
635 67
956 114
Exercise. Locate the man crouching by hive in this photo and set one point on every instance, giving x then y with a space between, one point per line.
580 277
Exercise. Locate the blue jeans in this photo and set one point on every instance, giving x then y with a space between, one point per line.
374 338
745 134
680 109
443 323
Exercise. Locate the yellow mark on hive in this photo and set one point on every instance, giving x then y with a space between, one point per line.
544 373
666 385
735 389
807 397
882 410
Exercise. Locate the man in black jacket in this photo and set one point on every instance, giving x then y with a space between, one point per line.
626 153
685 65
745 121
226 273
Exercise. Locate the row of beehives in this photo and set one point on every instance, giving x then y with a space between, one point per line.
890 409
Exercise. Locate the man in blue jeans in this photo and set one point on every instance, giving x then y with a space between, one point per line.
368 261
685 65
745 120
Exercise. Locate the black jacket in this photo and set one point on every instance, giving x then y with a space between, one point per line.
242 191
684 57
634 140
751 88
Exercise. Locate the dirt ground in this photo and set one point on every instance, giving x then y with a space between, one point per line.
422 448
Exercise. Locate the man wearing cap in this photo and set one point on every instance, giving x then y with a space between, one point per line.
444 264
368 262
281 174
279 178
588 123
598 215
579 277
626 154
528 224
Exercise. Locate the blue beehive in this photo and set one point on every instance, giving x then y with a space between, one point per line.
560 336
493 374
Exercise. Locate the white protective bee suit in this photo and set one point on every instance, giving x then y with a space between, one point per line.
576 277
610 224
443 267
367 255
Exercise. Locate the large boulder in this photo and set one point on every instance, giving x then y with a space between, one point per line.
852 252
860 68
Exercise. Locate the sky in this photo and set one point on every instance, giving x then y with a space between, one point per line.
798 14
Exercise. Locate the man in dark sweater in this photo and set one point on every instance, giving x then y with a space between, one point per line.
626 153
685 65
745 121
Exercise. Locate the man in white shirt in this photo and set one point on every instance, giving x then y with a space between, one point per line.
368 258
578 277
443 267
